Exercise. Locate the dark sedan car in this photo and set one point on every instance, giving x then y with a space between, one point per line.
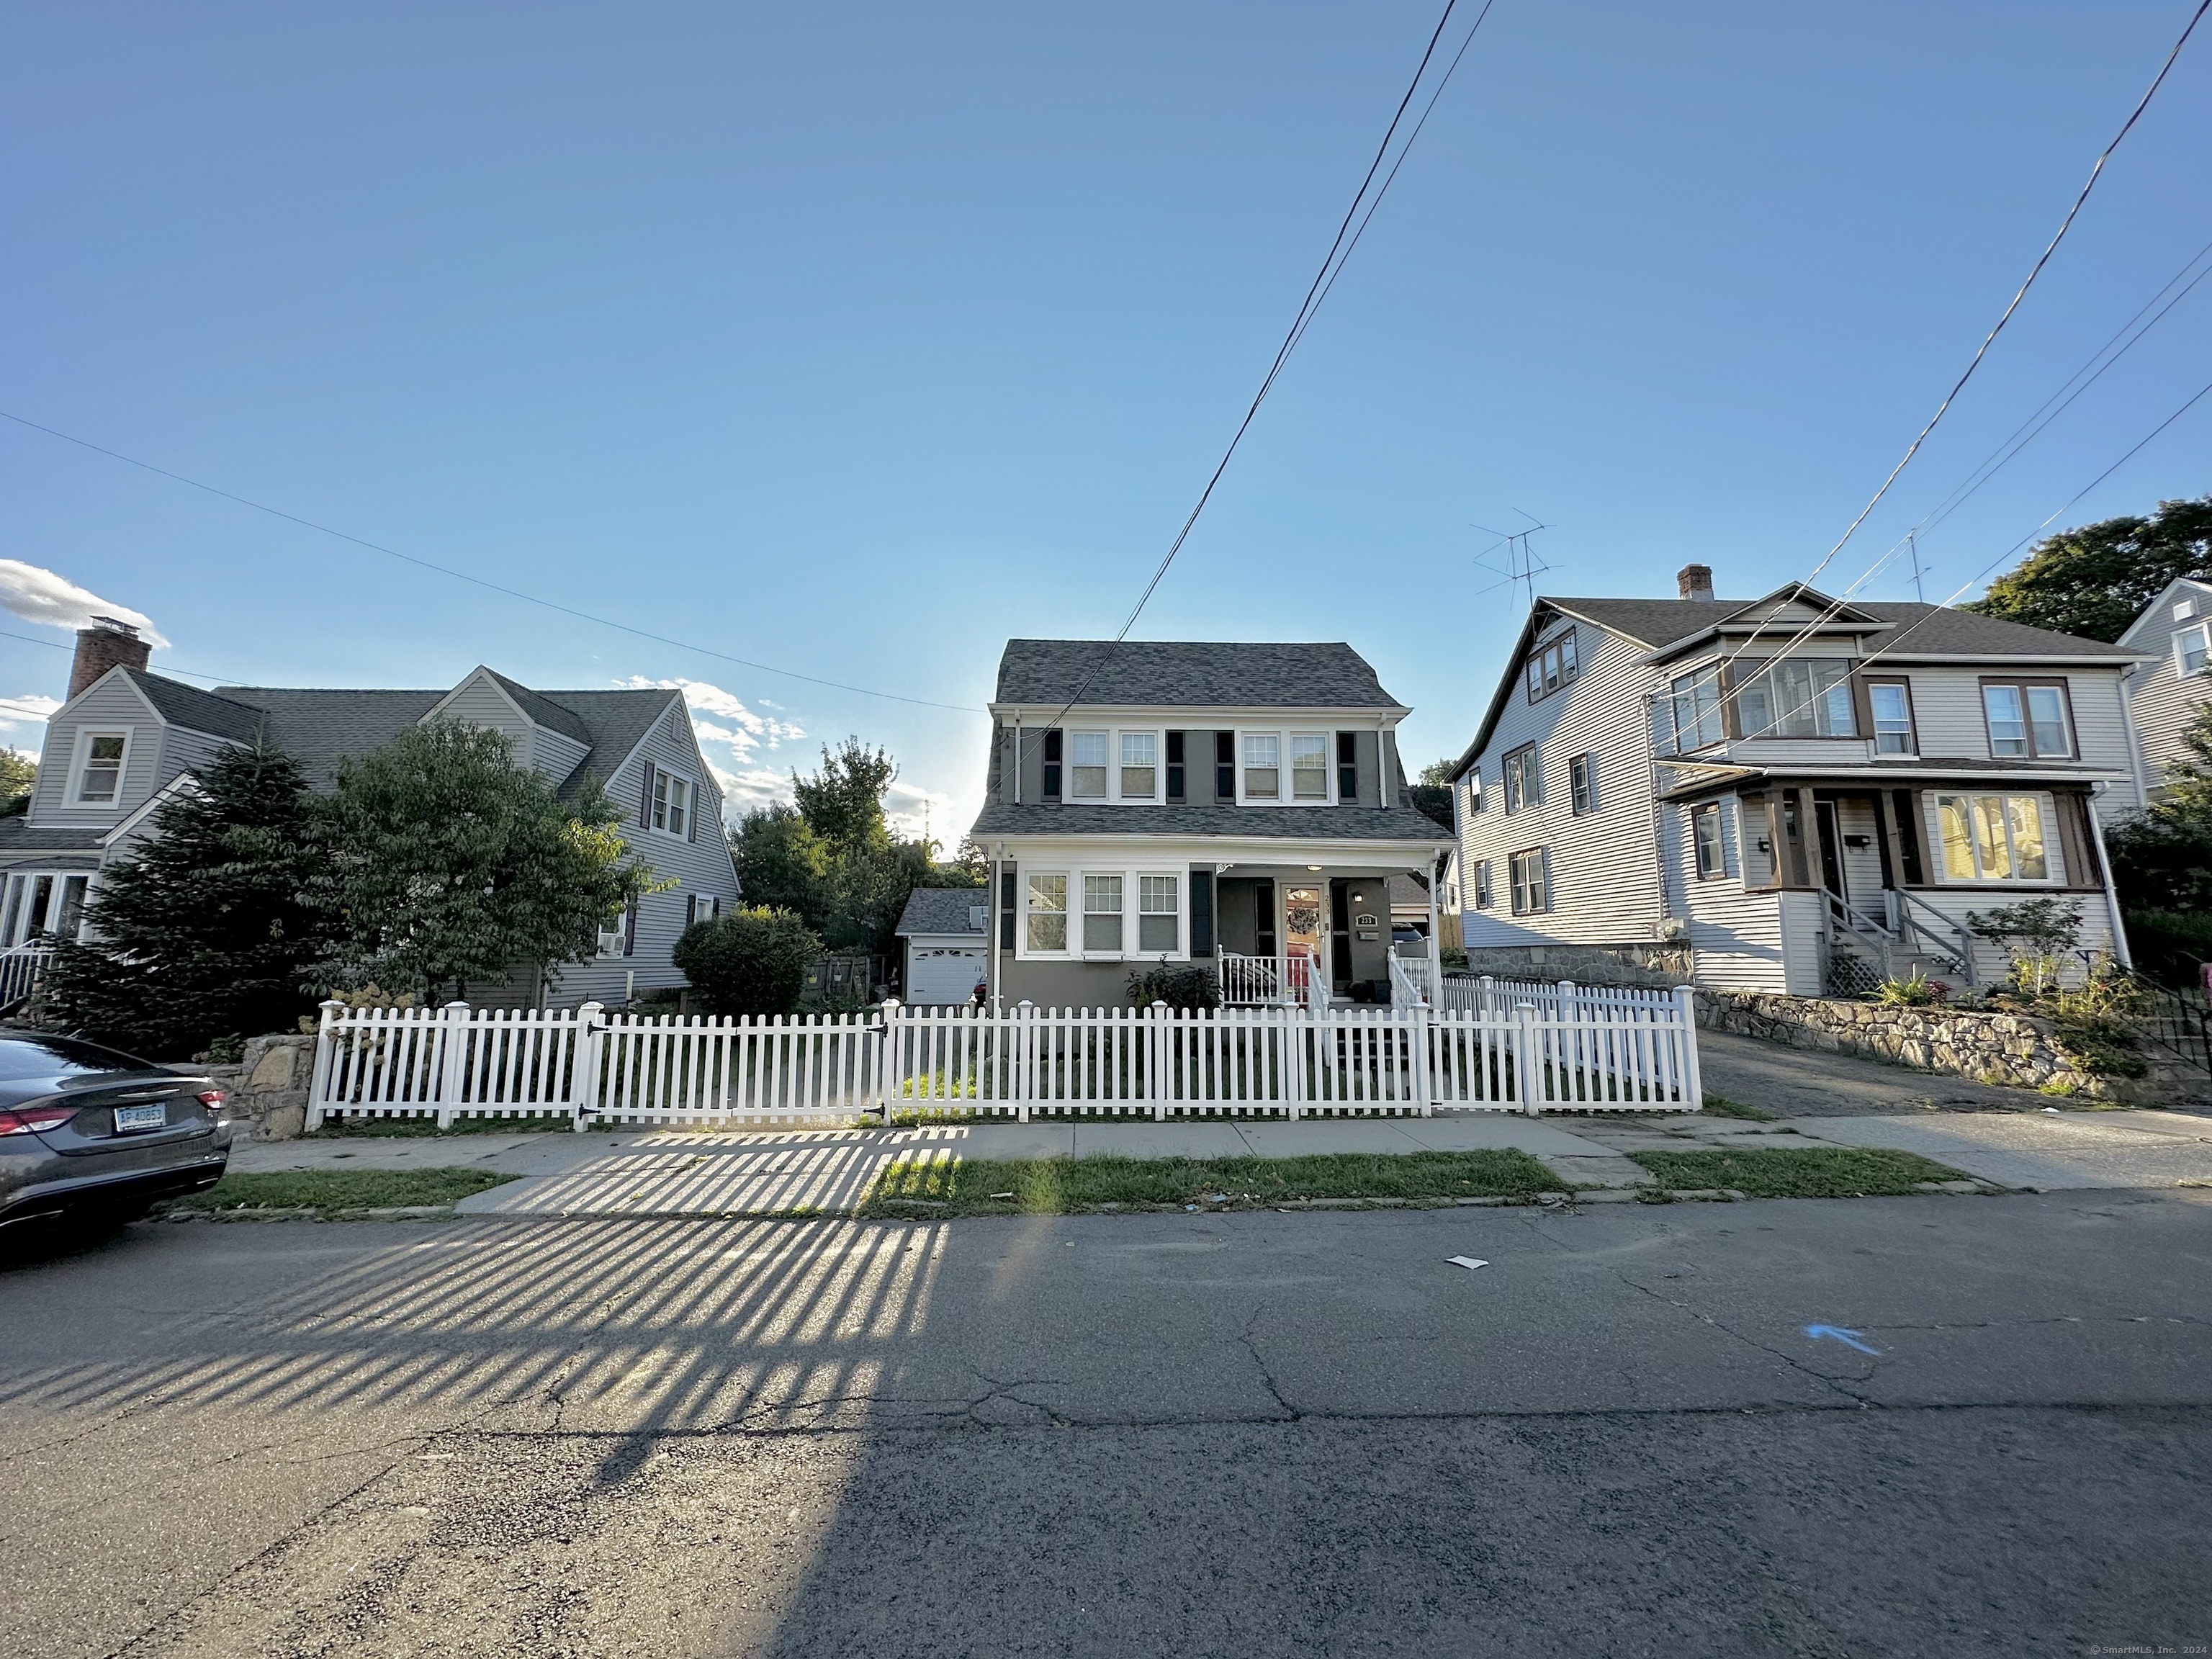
92 1135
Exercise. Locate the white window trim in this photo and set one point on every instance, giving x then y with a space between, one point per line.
2054 848
1114 797
82 755
690 802
2202 632
1285 781
1131 876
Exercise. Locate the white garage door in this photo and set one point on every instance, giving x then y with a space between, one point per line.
944 973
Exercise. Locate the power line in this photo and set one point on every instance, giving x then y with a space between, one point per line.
186 673
478 581
1340 251
2095 172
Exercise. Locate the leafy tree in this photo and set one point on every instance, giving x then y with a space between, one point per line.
1432 796
2162 866
783 863
2095 581
452 863
207 931
750 961
844 801
19 775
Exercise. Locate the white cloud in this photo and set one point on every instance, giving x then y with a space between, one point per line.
38 595
743 729
751 786
23 710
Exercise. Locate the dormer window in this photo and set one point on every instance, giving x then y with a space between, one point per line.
100 759
1140 753
1796 697
1263 764
1552 665
1310 766
1086 765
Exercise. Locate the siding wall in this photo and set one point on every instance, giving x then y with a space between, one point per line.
2165 705
1605 876
701 867
1736 935
111 706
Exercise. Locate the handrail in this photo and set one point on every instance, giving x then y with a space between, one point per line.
2189 1036
1958 949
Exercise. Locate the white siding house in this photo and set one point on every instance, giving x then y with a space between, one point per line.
2169 689
129 736
1799 793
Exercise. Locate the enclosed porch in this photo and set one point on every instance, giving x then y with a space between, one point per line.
1310 935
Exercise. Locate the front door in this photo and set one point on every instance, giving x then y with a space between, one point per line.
1832 849
1302 933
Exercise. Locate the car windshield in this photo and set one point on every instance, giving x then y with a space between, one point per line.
61 1056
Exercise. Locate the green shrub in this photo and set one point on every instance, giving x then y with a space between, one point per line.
1916 990
749 961
1186 985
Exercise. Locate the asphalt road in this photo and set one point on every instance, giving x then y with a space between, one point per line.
1222 1434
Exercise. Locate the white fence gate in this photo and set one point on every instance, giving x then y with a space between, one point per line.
1510 1047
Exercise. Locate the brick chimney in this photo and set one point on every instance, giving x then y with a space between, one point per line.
103 646
1695 581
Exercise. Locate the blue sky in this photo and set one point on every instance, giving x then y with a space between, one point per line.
857 338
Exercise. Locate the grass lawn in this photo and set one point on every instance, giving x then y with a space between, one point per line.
1720 1106
1797 1171
332 1190
1058 1185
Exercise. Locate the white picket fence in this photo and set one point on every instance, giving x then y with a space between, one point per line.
1552 1050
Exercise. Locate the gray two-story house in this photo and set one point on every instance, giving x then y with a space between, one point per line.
126 738
2170 688
1797 793
1236 805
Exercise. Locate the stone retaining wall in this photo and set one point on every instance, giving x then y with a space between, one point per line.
271 1093
1998 1048
1586 964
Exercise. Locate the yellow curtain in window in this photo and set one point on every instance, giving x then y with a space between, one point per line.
2028 838
1989 837
1957 840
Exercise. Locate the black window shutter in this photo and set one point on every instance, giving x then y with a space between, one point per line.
1263 918
691 819
1201 912
1347 768
1224 765
1175 766
630 930
1051 767
645 800
1006 911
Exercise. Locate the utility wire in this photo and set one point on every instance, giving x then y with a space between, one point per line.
186 673
2066 224
478 581
1332 264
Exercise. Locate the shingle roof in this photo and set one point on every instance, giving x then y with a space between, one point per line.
1919 630
17 836
942 910
542 709
316 728
612 722
1274 823
1188 673
213 712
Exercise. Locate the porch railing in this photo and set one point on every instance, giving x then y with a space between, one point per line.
1292 979
22 966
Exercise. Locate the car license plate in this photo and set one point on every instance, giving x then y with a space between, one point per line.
128 1118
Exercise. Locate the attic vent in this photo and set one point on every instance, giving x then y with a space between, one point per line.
2183 610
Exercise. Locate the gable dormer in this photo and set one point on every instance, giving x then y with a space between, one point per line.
546 738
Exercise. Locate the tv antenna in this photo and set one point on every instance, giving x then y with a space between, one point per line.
1912 544
1522 563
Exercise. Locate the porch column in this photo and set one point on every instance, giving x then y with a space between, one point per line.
1436 948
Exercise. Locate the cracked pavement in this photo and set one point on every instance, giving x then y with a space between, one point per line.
1194 1434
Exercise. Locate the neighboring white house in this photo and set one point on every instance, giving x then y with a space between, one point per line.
1803 792
946 933
125 737
1236 805
2175 682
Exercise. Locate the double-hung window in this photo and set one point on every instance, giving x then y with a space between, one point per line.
1712 854
99 768
1993 837
1310 766
1890 703
1523 787
1086 753
1474 793
2192 648
1552 665
2027 720
1263 764
1695 703
1101 912
1581 789
1482 900
1159 917
1532 882
1048 913
671 802
1140 754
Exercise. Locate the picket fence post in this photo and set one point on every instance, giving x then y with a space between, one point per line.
452 1059
1024 1047
1693 1084
1155 1060
319 1088
1524 1054
1422 1091
584 1064
889 1055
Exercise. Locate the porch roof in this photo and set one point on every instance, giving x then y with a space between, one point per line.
1905 775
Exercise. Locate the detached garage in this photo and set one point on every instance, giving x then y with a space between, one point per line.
943 930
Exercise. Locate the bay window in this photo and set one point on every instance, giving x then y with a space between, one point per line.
1797 698
1695 703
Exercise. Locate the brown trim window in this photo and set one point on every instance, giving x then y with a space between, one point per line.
1889 717
1705 835
1552 665
1523 786
1581 792
1532 881
2028 719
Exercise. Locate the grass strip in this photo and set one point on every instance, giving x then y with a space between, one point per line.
1062 1186
1721 1106
1797 1171
329 1191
